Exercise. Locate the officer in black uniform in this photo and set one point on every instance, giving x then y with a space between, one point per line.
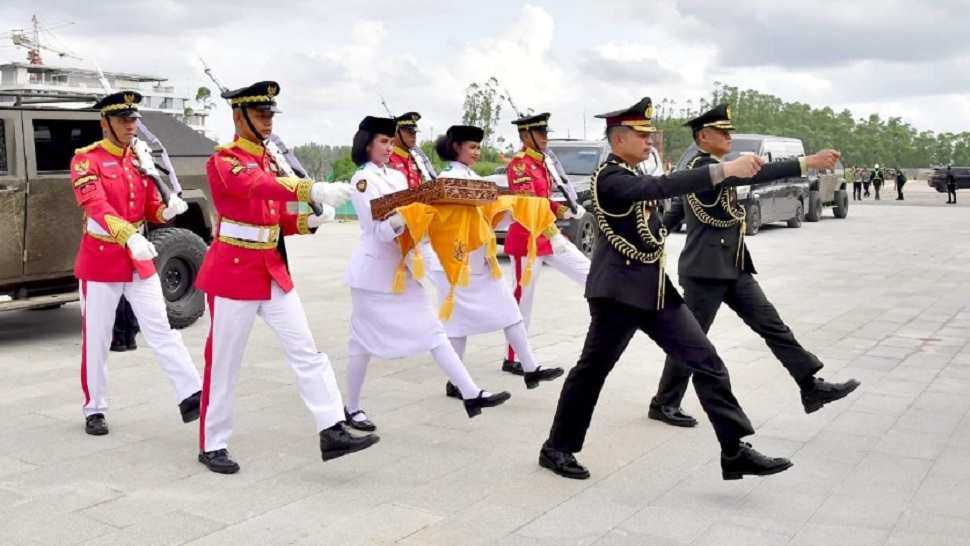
715 267
628 290
877 178
951 186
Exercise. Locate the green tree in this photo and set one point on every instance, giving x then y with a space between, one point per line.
483 106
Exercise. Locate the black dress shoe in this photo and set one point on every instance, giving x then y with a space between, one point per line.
562 463
218 461
190 407
359 424
451 391
748 462
533 378
118 347
95 425
337 442
473 406
823 392
512 366
672 416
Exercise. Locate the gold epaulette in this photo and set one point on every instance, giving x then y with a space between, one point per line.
519 155
87 148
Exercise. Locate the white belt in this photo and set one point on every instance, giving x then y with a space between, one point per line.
256 234
94 228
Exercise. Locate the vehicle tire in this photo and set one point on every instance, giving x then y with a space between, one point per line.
180 254
753 222
796 221
584 234
46 307
814 212
841 208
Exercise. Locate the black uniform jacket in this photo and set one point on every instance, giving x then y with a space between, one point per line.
620 192
713 252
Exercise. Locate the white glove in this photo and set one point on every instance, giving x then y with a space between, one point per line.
397 223
174 207
333 193
328 214
580 212
559 243
141 248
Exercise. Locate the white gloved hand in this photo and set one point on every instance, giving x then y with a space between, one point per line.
580 212
175 206
328 214
141 248
559 243
397 223
333 193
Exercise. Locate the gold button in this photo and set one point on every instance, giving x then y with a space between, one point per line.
132 195
235 260
628 262
722 241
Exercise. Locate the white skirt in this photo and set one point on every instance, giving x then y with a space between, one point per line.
485 305
392 326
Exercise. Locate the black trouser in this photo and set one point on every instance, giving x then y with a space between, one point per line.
745 297
676 331
865 186
856 191
125 326
878 186
899 190
951 194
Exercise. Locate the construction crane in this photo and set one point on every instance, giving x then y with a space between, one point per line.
30 40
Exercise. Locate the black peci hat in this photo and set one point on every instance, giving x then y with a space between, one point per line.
381 126
464 133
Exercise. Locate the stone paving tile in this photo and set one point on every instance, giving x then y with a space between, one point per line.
888 465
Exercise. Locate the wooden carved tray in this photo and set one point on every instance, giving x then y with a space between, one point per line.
451 191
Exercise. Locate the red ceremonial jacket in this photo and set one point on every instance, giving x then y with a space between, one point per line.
527 174
402 161
247 191
117 200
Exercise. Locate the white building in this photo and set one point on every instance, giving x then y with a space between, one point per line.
50 81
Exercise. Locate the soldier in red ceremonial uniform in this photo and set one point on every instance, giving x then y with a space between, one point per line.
405 139
245 274
527 173
115 260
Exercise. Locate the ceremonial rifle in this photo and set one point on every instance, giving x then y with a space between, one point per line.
421 159
553 166
284 157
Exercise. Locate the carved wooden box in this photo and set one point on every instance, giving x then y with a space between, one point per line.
451 191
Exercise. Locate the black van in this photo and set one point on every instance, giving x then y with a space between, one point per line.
784 200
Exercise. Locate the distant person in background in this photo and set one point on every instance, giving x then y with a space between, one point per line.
900 182
866 182
877 178
125 328
852 178
951 186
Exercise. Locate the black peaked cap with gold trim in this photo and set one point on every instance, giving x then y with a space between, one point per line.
638 117
379 126
465 133
718 117
538 122
123 104
258 96
408 120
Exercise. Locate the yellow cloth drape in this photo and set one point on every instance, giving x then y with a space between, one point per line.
533 214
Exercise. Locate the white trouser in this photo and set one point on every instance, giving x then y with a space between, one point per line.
99 300
230 324
569 261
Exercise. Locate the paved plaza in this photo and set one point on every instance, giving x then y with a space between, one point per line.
883 296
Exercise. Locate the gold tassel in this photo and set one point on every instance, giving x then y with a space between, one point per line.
448 306
465 275
417 264
400 278
527 273
492 255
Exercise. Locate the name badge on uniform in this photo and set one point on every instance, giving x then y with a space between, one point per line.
109 164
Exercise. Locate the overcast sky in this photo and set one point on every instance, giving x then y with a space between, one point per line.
334 60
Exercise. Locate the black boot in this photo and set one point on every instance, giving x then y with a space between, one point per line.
190 407
473 406
118 346
337 442
131 340
671 415
822 392
218 461
360 424
748 462
95 424
451 391
562 463
533 378
513 367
